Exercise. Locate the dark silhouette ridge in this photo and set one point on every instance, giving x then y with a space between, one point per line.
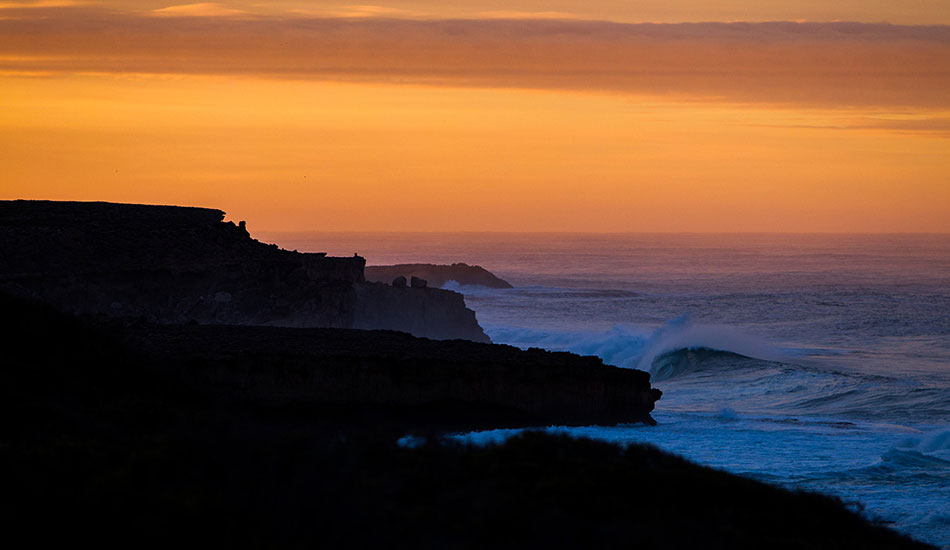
436 275
467 385
175 264
133 423
130 433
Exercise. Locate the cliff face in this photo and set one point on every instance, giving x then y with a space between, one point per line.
228 436
175 264
455 383
429 312
437 275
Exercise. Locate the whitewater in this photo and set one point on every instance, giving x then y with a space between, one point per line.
819 362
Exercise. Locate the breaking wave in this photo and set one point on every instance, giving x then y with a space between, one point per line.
664 352
715 366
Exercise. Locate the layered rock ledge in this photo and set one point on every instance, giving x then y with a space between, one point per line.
155 435
437 275
458 383
239 320
174 264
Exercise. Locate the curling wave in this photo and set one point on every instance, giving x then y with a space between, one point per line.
663 352
715 366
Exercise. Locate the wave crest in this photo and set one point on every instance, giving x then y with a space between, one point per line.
663 352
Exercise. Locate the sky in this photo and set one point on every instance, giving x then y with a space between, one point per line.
517 115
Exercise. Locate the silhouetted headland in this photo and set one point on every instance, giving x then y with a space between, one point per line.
171 269
437 275
148 397
175 264
122 432
464 385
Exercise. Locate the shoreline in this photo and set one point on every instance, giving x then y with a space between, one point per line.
148 440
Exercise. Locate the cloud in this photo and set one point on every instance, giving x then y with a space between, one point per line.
201 9
22 10
937 126
822 64
359 11
40 4
509 14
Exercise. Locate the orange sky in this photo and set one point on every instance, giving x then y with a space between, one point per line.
508 116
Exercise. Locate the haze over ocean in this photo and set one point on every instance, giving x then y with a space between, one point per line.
819 361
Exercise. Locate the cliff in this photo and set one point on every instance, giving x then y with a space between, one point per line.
407 382
177 264
429 312
221 436
437 275
459 383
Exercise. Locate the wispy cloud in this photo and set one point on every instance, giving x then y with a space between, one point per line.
934 125
512 14
827 64
201 9
42 4
358 11
25 10
937 125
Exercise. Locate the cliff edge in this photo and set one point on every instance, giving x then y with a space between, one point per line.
437 275
250 437
172 264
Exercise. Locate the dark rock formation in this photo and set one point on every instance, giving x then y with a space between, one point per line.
429 312
399 282
176 264
460 383
209 436
416 282
437 275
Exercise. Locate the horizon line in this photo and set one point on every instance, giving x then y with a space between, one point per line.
544 232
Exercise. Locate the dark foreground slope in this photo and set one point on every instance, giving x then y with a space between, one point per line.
106 440
437 275
175 264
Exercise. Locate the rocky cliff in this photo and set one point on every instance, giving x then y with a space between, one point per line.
455 383
429 312
176 264
224 435
437 275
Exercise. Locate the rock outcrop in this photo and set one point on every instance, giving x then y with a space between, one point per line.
175 264
455 383
437 275
154 435
429 312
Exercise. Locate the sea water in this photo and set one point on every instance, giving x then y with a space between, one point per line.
819 362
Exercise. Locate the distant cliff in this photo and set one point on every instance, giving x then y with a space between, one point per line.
175 264
437 275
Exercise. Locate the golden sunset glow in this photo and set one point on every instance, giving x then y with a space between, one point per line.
415 116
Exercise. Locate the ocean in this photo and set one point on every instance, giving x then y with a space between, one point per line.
812 361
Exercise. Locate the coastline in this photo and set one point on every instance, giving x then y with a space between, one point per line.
100 432
286 432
